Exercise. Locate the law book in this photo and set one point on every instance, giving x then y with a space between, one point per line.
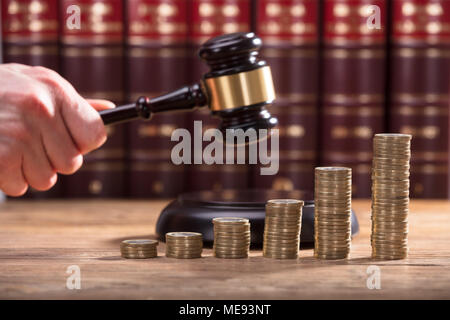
30 32
30 36
207 19
419 97
92 59
353 84
290 34
156 37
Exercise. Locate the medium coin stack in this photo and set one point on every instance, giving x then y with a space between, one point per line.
184 245
231 238
332 213
139 249
282 228
390 195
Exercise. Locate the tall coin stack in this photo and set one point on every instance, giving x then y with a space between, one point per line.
184 245
390 195
139 249
332 213
231 238
282 228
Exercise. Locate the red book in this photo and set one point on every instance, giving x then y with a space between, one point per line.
30 36
289 31
156 37
207 19
92 60
419 97
353 82
30 32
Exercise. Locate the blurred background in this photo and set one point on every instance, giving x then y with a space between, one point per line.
343 70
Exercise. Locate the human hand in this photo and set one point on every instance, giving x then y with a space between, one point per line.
45 128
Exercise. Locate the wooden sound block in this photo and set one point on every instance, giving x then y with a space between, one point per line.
195 211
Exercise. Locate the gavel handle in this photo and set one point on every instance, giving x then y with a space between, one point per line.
184 98
127 112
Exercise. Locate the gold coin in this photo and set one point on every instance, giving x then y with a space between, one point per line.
139 243
286 253
192 244
137 256
285 202
230 220
225 256
276 218
126 251
227 235
184 235
197 256
284 226
283 213
231 251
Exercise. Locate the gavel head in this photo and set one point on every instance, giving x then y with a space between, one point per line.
238 85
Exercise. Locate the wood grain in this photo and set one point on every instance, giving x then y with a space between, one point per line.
39 240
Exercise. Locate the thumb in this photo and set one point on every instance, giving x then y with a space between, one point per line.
100 104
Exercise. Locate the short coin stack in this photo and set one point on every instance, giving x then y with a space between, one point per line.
231 237
332 213
390 195
282 228
139 249
184 245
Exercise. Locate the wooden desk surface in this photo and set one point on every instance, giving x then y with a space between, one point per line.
39 240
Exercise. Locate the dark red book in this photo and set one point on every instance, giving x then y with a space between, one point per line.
353 83
30 36
290 35
156 37
30 32
207 19
92 60
419 97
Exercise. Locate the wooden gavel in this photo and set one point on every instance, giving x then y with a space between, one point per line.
236 89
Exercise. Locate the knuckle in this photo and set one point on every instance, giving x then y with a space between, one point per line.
37 103
43 71
52 79
57 84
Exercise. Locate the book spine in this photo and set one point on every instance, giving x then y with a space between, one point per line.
207 19
92 60
156 63
30 32
419 97
30 36
289 30
353 84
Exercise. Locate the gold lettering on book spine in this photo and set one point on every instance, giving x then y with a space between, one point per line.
33 7
163 130
360 132
426 132
283 184
429 111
